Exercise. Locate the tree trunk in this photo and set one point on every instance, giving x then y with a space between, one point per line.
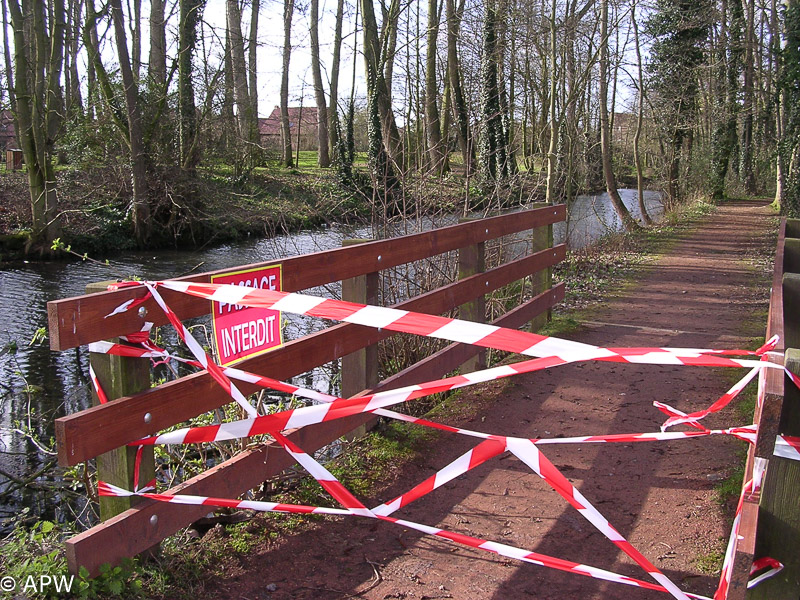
12 100
136 39
286 134
436 150
333 97
75 96
244 107
157 69
454 75
605 130
746 172
637 155
141 206
323 158
252 69
187 38
729 65
377 63
38 62
552 175
228 117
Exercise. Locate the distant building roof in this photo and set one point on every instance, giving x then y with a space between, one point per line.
271 125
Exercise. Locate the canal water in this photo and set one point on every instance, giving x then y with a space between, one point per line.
37 385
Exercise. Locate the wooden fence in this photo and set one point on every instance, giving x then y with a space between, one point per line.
139 410
770 523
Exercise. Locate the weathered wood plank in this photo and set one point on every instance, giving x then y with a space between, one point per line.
120 376
775 315
779 514
146 524
86 434
81 320
472 260
745 550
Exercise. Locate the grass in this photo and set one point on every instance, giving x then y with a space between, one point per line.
710 563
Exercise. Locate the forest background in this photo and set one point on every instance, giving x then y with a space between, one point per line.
139 122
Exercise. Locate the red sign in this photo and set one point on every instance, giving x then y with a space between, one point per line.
241 331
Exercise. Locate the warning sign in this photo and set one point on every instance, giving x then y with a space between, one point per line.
242 332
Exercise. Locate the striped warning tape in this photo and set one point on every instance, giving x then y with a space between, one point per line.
551 352
106 489
223 432
750 487
201 356
455 330
787 446
678 418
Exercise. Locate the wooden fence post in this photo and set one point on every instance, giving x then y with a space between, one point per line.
360 368
793 228
472 260
779 511
543 280
120 376
791 255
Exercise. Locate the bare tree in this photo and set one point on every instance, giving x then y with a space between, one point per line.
187 39
157 67
252 62
637 155
333 97
246 117
454 78
436 149
605 129
323 158
286 134
38 63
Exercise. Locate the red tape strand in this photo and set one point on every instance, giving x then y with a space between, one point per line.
554 350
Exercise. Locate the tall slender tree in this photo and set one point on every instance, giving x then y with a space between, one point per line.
437 151
187 39
39 33
286 133
334 127
323 158
605 128
459 104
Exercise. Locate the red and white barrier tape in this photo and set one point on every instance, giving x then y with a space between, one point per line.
744 433
202 357
775 567
551 352
455 330
508 551
678 418
787 446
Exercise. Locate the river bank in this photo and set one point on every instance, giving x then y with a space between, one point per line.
216 207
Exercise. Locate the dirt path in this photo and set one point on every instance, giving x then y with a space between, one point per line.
660 496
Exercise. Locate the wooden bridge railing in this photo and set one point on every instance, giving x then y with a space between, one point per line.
770 523
109 427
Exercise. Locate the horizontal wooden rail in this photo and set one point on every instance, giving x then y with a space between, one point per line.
775 315
86 434
81 320
142 527
767 417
